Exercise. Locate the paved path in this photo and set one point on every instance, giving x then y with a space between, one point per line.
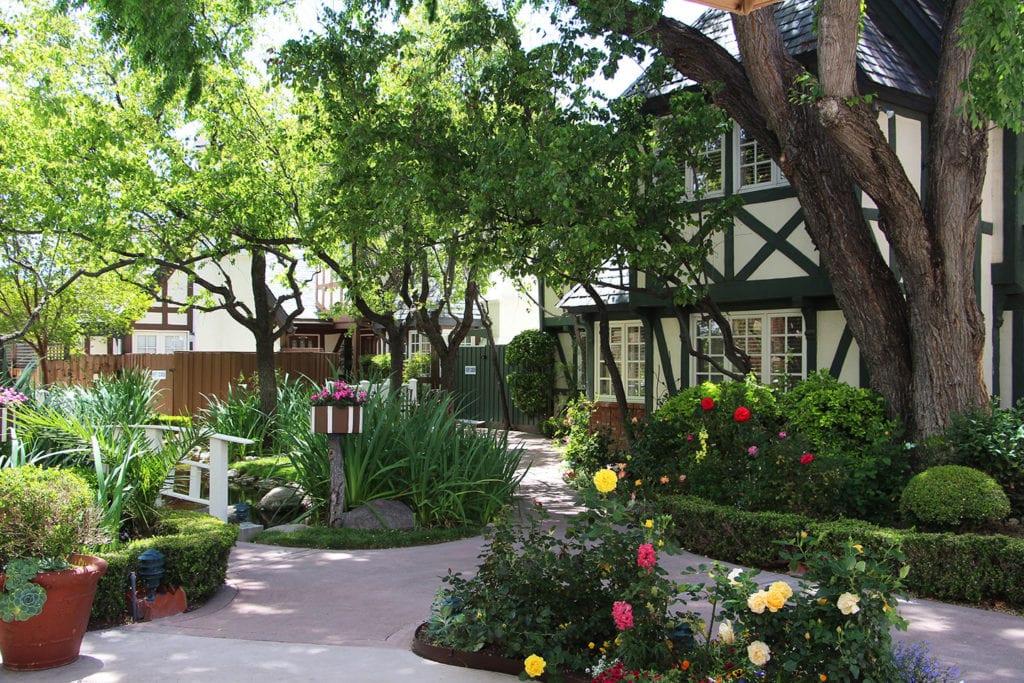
290 614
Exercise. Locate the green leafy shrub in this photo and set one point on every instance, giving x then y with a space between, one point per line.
196 547
586 447
44 514
945 566
765 461
953 497
993 442
715 436
416 365
823 409
848 427
375 368
532 385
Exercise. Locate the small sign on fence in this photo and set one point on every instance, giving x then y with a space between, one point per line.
470 369
159 374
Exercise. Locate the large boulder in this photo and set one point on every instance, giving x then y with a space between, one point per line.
379 514
283 503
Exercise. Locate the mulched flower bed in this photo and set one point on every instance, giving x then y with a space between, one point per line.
482 660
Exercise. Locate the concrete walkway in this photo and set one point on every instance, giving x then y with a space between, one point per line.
290 614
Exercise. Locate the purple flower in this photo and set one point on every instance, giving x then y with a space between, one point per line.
752 450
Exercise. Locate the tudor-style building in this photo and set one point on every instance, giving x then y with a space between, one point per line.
765 271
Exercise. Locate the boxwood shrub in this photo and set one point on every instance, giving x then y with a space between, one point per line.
945 566
195 547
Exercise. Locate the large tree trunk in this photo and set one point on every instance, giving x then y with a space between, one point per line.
921 338
263 332
396 349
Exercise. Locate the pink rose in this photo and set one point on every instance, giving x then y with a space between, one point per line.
646 557
622 612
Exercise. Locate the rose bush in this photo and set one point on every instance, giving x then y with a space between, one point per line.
597 598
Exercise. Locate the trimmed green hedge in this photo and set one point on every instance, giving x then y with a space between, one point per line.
956 567
195 547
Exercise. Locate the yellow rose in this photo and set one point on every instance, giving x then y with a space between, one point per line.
782 588
534 666
758 653
757 602
605 481
726 633
649 523
847 603
775 601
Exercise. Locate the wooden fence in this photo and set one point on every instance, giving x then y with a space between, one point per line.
185 377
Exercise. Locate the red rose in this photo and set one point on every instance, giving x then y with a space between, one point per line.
806 459
742 414
707 403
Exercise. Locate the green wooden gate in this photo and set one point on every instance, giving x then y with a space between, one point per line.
476 388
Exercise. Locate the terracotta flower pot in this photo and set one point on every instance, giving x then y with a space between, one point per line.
332 420
54 637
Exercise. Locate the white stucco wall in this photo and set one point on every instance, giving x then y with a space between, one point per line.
511 310
216 330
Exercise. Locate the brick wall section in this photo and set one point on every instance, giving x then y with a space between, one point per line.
606 416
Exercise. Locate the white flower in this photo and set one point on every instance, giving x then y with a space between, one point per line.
725 632
758 653
847 603
734 575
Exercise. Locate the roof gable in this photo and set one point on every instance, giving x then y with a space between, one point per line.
898 48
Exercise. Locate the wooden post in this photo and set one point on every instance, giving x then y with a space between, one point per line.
337 507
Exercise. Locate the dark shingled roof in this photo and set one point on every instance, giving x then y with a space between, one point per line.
898 49
610 283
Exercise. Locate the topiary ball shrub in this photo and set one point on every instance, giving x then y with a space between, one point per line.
952 497
532 385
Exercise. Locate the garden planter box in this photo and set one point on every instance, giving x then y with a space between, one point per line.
332 420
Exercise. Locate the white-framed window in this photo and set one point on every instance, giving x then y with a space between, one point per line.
174 342
709 179
144 343
629 352
753 166
418 343
774 340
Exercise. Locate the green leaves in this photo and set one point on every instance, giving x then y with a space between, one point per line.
994 29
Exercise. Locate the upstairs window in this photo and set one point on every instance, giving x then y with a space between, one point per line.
708 179
754 167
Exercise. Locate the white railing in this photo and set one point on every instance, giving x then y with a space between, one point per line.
408 391
214 463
